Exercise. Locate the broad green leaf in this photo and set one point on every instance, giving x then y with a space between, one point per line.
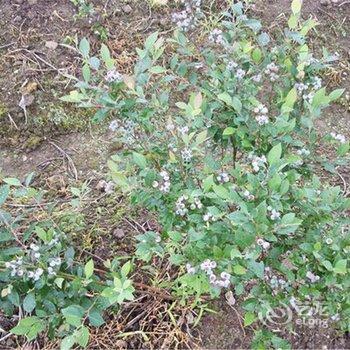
106 57
340 267
82 336
84 47
89 268
225 97
4 193
228 131
151 40
86 73
95 318
67 342
236 104
263 39
239 270
293 21
208 183
257 55
126 268
140 160
335 94
29 302
157 70
249 318
12 181
275 154
29 326
221 191
231 101
73 315
257 268
296 6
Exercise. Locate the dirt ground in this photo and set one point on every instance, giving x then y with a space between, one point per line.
37 47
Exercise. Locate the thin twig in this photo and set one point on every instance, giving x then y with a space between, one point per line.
71 165
12 121
6 45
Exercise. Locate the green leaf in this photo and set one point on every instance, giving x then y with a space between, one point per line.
82 336
249 318
225 97
106 57
126 268
104 52
236 104
86 73
157 70
84 47
12 181
4 193
256 55
89 268
221 191
95 318
59 282
296 6
29 326
239 270
263 39
340 267
335 94
320 98
208 183
67 342
290 99
151 40
73 315
29 302
257 268
228 131
293 21
74 96
343 149
275 154
140 160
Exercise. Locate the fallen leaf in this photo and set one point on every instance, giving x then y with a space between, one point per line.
26 100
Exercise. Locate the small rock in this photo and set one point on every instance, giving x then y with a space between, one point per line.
325 2
19 2
118 233
163 22
230 298
32 2
101 185
127 8
121 344
52 45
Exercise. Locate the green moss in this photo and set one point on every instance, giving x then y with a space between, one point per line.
63 117
3 111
